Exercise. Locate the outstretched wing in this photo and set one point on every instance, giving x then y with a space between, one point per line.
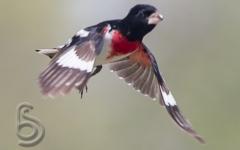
73 63
141 71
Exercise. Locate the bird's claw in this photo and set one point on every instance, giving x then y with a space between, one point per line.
81 91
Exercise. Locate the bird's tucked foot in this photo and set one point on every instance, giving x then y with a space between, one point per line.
81 91
96 71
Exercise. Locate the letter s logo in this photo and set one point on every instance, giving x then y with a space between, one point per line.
32 139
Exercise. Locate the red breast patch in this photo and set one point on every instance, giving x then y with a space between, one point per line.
121 46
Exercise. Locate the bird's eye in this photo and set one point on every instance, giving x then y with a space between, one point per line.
142 14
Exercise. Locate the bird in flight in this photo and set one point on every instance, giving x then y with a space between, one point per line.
117 43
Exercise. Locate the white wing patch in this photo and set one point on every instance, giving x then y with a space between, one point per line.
71 60
168 98
68 42
61 46
82 33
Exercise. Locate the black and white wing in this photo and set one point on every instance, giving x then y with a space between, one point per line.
141 71
73 63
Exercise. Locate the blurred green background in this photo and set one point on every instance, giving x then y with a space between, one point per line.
197 48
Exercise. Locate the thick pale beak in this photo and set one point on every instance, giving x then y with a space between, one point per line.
155 18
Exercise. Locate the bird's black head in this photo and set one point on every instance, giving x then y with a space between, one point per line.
140 20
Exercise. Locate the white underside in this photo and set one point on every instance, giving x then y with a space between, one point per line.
101 58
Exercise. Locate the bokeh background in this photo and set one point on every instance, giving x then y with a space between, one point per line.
197 47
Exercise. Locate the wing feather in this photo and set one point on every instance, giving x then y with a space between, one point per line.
141 70
72 64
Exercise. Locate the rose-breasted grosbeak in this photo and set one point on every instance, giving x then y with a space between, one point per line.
117 43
